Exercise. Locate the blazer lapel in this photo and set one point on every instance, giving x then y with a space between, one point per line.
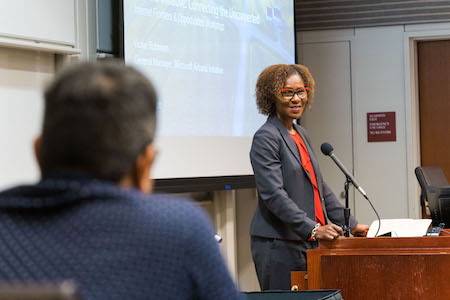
286 137
308 147
315 165
305 141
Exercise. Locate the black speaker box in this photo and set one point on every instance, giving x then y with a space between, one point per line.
297 295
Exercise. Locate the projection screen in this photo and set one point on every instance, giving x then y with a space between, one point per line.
204 58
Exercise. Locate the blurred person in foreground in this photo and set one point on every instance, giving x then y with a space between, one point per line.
295 208
91 218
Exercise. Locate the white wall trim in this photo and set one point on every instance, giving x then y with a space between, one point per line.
353 96
412 110
11 42
86 29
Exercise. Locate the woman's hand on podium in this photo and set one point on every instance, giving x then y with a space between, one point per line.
329 232
360 230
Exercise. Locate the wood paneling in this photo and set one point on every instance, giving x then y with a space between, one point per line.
382 268
434 103
388 276
299 280
332 14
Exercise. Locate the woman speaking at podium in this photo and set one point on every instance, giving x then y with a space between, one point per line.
295 206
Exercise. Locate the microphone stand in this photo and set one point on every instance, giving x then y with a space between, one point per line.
346 227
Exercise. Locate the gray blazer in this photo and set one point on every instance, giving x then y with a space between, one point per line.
285 193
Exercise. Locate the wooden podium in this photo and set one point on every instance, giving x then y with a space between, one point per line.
380 268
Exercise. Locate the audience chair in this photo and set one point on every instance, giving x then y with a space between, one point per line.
38 291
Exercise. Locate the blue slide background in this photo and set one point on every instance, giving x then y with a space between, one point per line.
204 58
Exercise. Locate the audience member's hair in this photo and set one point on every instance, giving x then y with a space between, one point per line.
272 79
98 118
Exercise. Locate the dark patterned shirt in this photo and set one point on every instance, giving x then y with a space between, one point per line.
114 243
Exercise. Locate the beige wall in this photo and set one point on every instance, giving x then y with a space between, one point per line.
381 65
246 202
231 213
23 74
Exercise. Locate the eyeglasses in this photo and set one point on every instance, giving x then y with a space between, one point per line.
288 94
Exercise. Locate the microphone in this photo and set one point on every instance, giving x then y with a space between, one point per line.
327 149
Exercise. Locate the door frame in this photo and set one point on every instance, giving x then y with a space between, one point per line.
414 34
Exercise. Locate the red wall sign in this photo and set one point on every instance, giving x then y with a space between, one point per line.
381 127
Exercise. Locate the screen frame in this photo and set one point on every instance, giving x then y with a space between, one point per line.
198 184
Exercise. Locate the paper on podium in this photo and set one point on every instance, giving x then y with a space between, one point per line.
400 227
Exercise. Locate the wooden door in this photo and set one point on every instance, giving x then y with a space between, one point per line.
434 103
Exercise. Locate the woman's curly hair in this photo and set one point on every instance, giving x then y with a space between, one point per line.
272 79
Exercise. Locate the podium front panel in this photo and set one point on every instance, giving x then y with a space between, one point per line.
382 268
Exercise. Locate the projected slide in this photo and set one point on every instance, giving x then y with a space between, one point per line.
204 58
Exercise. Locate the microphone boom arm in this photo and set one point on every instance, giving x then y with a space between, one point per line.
347 174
